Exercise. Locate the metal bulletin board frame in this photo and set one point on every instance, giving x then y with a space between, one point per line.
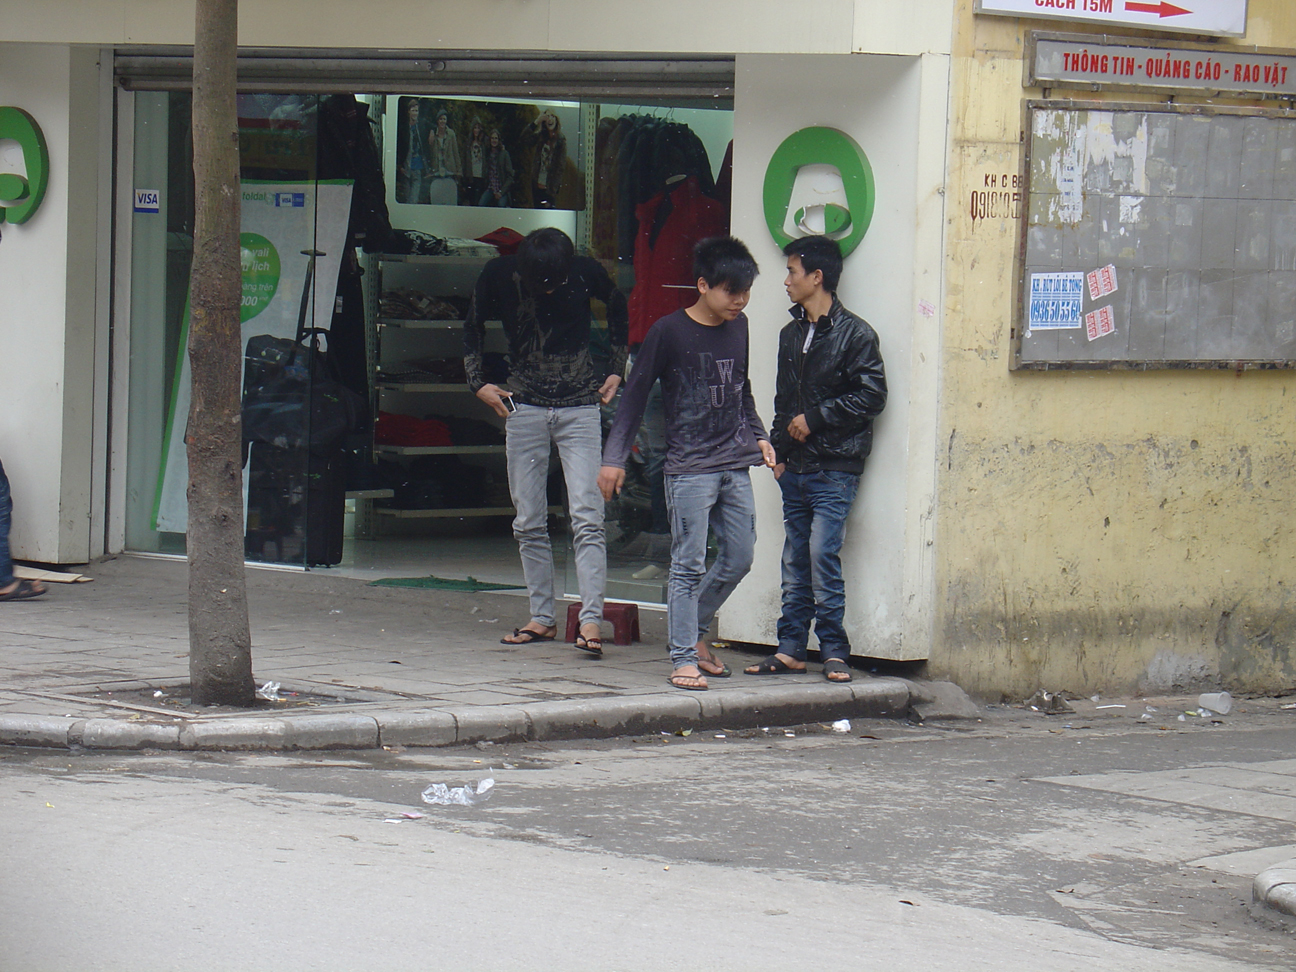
1156 236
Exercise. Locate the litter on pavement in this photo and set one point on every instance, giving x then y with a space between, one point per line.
1220 702
465 796
1050 703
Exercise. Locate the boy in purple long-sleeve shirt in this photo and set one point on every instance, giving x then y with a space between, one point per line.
713 435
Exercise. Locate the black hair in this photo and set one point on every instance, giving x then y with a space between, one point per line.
723 261
545 259
818 253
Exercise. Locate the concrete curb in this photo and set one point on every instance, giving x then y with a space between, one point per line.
37 731
1275 887
781 703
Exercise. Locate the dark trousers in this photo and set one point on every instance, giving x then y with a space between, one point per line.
815 508
6 516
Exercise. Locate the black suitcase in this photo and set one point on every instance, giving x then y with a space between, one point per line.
325 510
296 418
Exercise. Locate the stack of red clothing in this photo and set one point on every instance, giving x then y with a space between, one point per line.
406 430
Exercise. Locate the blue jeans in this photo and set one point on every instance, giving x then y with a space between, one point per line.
724 502
530 434
487 198
6 511
815 508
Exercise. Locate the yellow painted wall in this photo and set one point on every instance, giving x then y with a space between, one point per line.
1097 531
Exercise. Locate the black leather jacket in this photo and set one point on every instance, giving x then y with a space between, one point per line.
839 385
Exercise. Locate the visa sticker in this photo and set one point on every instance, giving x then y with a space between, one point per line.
148 201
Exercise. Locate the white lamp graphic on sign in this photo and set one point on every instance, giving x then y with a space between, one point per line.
819 206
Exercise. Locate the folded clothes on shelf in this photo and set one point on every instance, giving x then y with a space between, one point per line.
418 243
448 371
447 482
471 431
457 246
408 304
505 239
415 242
408 430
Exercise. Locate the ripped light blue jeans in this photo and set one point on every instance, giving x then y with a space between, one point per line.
724 502
530 435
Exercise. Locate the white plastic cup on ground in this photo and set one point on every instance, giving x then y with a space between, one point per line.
1219 702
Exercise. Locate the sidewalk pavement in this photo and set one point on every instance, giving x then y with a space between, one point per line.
93 666
375 666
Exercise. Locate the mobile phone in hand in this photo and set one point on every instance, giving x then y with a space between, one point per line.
509 403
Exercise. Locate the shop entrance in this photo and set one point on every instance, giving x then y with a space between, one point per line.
367 218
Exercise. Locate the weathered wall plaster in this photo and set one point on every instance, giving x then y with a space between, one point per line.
1097 531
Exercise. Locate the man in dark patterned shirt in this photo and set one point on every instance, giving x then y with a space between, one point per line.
713 436
542 296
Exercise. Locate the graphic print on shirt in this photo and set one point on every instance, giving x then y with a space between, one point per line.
540 372
712 398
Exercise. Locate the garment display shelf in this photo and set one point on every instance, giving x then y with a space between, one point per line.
421 259
400 340
419 324
457 513
453 450
370 494
420 386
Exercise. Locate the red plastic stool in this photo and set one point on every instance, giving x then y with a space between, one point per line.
623 617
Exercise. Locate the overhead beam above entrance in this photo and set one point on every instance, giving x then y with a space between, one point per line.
707 79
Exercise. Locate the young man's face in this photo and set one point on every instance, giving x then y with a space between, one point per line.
721 301
801 286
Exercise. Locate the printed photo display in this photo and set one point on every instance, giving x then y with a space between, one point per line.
476 153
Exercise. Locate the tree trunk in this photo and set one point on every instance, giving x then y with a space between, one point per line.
220 643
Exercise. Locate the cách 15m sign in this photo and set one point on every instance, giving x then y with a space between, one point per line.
1222 18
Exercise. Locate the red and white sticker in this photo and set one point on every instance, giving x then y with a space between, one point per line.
1102 282
1100 323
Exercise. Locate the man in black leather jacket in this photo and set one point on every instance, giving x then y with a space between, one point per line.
831 385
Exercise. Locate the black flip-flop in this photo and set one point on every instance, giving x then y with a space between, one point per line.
528 637
725 670
593 645
688 688
23 592
773 665
834 666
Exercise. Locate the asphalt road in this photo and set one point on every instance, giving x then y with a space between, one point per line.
1023 843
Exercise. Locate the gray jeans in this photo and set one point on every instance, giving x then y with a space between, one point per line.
723 501
531 431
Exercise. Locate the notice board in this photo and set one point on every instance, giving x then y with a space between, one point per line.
1157 237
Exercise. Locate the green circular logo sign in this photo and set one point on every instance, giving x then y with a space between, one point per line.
21 195
819 182
260 262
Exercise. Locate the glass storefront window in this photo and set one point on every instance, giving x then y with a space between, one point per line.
634 186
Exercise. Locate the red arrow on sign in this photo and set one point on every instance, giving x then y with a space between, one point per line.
1160 9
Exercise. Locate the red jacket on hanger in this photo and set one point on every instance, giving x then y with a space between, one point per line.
670 223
